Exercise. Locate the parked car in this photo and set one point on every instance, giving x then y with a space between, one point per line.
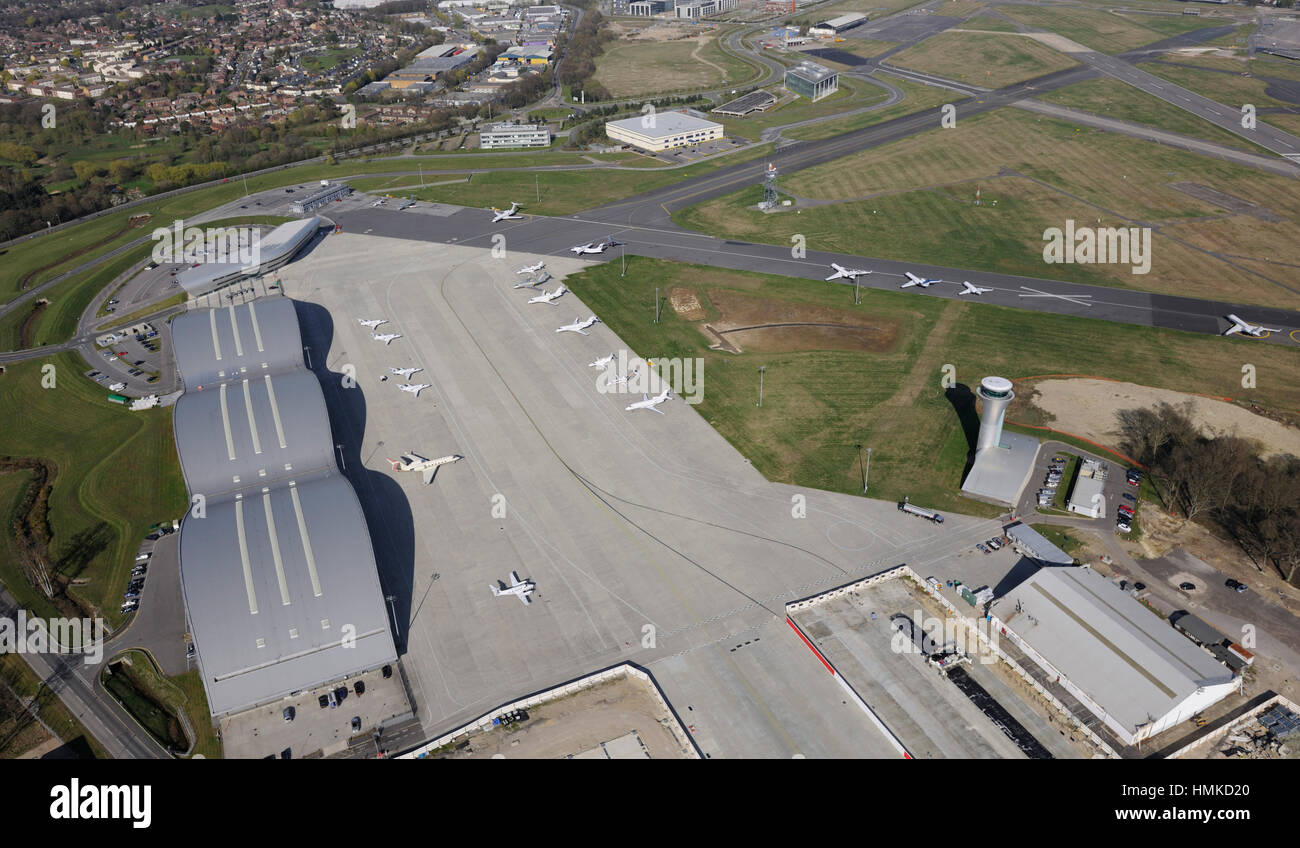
1235 585
356 724
359 687
1128 496
388 671
1139 586
324 701
1186 586
288 713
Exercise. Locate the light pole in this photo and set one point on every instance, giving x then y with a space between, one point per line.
656 304
398 630
622 252
866 474
537 186
342 462
761 369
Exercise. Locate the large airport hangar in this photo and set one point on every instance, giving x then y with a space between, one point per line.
1126 664
278 573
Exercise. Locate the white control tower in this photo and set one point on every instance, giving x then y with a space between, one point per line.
996 394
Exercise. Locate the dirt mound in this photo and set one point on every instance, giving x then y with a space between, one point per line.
1087 407
774 326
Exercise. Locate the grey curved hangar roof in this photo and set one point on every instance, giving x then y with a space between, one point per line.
274 249
282 592
256 430
220 344
278 575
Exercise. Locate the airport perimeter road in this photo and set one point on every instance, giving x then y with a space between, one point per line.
554 237
75 684
649 537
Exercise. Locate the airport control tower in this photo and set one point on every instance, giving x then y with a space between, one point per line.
997 395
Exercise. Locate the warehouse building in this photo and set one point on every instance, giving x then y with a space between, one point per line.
837 25
1087 495
1136 674
278 575
647 8
1036 546
812 80
318 198
667 130
515 135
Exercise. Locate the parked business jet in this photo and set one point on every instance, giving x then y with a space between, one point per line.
519 588
628 376
970 288
1246 328
596 246
913 280
651 403
428 467
386 338
601 362
405 373
549 297
544 278
841 271
371 323
414 388
579 325
506 214
529 269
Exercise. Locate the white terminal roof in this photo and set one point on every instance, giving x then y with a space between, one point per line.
845 20
665 124
284 239
1123 656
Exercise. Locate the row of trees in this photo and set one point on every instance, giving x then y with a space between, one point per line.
580 52
1221 481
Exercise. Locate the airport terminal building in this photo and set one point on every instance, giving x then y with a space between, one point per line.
275 249
278 575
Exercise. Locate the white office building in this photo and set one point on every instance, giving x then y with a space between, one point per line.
663 130
515 135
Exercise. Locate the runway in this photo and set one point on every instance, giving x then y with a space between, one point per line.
554 236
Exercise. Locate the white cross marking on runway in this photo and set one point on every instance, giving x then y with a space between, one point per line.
1080 299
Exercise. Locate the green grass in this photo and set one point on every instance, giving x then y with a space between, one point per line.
195 704
1115 99
630 69
1062 494
1101 30
1060 536
117 473
852 95
148 696
1229 89
917 98
566 192
327 59
990 60
51 710
819 404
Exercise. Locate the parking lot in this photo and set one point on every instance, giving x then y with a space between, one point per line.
691 154
264 732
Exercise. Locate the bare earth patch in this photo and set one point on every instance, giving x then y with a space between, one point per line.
770 326
686 303
1087 408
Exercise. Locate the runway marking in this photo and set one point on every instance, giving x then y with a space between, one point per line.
1079 299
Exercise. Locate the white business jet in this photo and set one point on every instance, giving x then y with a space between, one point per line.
579 325
651 403
970 288
842 272
506 214
519 588
428 467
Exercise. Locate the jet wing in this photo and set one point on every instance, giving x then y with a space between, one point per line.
429 472
525 599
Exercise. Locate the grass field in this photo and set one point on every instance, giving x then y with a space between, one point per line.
1114 99
852 95
117 474
1101 30
630 69
917 98
1034 172
148 696
327 59
1061 536
819 404
989 23
566 192
987 59
26 256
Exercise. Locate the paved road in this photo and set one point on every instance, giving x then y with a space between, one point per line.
77 686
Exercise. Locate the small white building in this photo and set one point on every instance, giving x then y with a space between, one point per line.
515 135
1088 495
